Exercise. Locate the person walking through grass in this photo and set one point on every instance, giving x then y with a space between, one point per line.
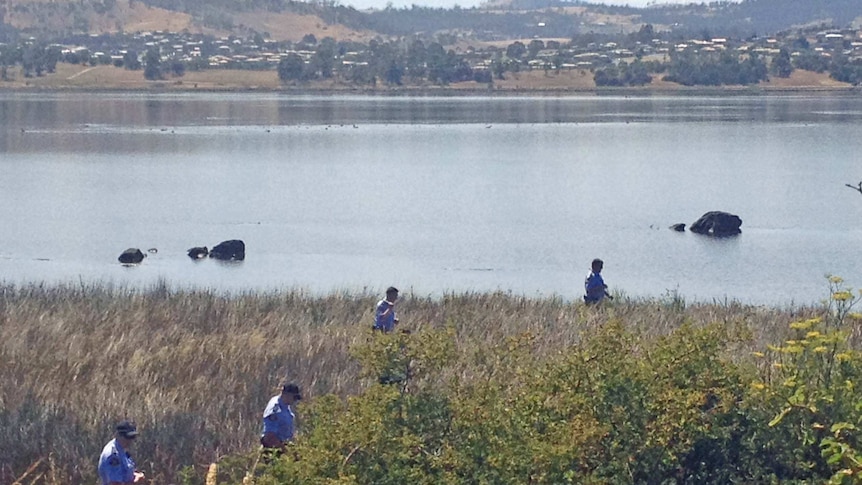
384 313
115 464
595 289
278 418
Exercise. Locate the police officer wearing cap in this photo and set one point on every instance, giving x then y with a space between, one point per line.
278 418
116 464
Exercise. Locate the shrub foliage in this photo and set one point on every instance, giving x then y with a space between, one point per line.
617 407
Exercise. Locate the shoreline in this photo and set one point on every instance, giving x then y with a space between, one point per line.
106 79
446 91
112 289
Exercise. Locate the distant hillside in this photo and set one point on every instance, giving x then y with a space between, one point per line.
757 16
87 16
281 20
508 19
494 21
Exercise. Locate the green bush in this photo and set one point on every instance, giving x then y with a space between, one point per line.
618 407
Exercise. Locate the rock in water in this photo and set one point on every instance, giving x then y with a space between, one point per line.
131 256
198 252
717 223
232 250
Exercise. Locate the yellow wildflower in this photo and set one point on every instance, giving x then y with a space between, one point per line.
843 356
841 296
813 334
855 315
836 280
820 349
212 474
778 365
758 385
801 325
758 354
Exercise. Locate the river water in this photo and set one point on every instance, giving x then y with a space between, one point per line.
434 194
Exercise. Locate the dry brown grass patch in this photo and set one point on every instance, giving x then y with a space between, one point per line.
293 27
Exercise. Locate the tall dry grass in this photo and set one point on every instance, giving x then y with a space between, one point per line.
194 368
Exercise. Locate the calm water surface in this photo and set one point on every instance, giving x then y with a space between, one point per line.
434 194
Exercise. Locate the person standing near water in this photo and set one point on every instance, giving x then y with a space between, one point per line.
384 314
595 289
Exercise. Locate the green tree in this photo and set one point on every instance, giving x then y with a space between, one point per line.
781 65
178 69
416 58
153 65
516 50
50 57
130 60
323 61
534 47
498 69
394 73
361 74
290 67
609 76
810 60
644 36
635 74
438 70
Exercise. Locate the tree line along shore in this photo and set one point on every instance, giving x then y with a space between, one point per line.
109 78
495 386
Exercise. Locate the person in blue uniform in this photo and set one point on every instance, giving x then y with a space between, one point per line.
278 418
384 313
116 464
595 289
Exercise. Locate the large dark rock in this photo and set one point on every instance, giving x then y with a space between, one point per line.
198 252
131 256
678 227
717 223
233 250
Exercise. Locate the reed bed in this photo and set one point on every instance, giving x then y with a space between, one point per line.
195 368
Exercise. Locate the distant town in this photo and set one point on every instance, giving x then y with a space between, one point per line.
633 59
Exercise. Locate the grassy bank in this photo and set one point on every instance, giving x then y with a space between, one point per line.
195 369
73 77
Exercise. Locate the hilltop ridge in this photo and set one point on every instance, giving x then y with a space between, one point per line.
290 20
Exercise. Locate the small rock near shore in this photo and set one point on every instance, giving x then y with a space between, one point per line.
131 256
198 252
